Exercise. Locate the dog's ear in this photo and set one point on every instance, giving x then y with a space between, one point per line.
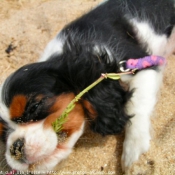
30 79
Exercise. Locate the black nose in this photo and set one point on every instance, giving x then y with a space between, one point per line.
17 150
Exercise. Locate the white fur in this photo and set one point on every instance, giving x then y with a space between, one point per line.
170 47
4 111
146 84
60 154
39 143
54 46
157 44
147 35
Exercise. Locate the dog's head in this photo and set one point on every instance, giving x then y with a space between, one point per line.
30 102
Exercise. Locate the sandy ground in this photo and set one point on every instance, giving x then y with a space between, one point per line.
28 25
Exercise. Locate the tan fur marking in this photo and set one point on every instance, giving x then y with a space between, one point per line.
17 106
91 111
75 117
1 129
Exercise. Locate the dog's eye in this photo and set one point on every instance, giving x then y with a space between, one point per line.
34 107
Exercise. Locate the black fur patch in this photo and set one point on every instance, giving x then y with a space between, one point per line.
94 44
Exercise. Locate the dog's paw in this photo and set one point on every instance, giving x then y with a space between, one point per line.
133 147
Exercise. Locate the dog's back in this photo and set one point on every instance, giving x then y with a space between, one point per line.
122 28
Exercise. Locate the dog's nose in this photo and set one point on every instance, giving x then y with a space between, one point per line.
17 150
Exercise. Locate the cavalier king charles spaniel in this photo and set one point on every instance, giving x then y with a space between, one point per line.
36 94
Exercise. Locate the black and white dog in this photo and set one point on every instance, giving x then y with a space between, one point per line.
36 94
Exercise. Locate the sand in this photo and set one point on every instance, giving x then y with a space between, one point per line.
28 25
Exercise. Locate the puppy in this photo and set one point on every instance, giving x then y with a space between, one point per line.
34 96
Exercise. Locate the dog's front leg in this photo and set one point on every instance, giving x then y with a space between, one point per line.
146 84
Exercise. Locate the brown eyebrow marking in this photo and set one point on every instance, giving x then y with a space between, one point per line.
17 106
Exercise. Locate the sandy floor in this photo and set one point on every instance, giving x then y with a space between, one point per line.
28 26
